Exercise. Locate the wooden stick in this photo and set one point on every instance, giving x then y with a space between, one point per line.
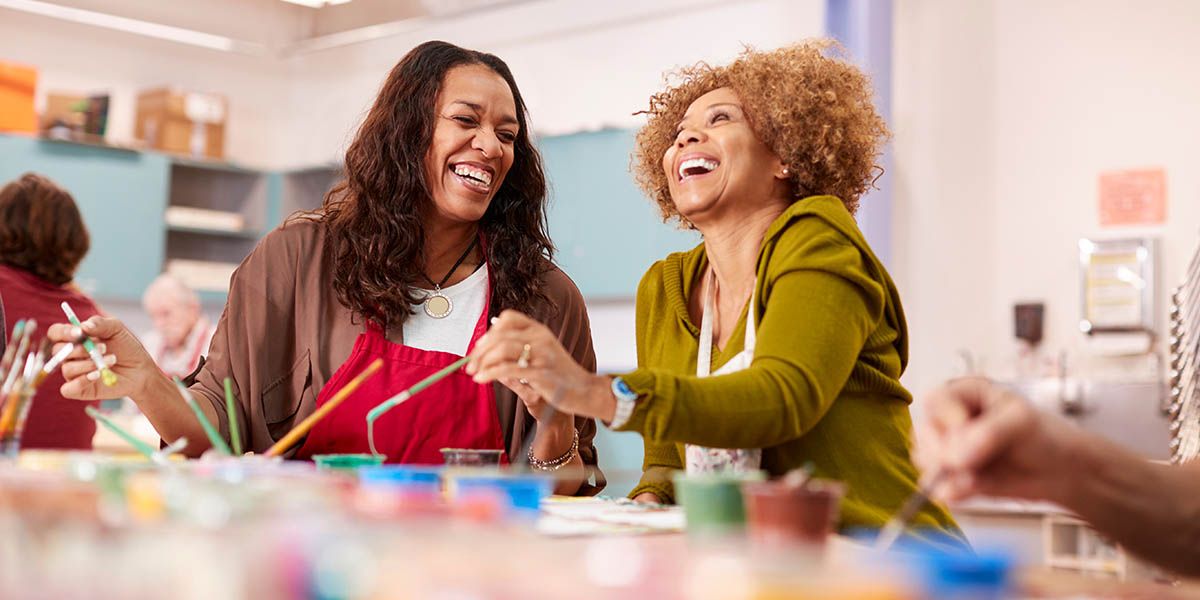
306 425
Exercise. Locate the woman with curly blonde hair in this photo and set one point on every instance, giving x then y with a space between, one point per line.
780 339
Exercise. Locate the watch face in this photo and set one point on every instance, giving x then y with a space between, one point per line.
624 387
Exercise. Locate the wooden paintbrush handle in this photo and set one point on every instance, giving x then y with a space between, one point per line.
306 425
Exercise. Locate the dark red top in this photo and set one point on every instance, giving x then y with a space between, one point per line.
54 421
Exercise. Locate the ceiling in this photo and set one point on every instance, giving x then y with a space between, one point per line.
260 27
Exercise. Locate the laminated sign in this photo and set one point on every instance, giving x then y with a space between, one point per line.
1135 197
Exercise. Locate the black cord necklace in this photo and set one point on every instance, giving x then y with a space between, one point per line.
437 305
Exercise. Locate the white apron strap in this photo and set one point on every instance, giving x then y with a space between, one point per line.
704 353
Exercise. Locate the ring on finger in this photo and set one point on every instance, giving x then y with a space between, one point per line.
523 360
523 381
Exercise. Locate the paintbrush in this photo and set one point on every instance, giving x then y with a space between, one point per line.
235 436
19 358
895 527
10 351
303 428
214 436
106 375
142 447
16 406
53 363
394 401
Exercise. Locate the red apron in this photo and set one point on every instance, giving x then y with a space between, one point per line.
455 412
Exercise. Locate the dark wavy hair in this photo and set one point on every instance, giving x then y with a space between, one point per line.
374 216
41 230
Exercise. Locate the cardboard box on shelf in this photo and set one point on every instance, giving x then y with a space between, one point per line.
75 117
17 86
187 123
64 110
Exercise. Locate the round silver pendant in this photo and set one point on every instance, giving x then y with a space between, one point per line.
438 306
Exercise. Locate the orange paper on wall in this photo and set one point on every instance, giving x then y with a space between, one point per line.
17 84
1134 197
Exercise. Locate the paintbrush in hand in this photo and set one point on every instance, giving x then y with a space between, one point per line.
899 522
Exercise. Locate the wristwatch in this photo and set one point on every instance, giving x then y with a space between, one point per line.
627 400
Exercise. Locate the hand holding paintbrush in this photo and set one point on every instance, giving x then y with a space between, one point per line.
104 373
121 353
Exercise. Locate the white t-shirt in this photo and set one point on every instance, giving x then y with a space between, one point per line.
453 333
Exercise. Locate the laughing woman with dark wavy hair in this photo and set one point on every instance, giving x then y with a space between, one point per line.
439 225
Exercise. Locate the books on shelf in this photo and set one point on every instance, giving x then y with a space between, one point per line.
202 275
202 218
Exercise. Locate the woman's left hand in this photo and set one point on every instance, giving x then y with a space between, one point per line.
519 350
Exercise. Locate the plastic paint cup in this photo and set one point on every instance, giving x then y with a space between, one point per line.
401 476
523 494
782 515
466 457
712 502
346 462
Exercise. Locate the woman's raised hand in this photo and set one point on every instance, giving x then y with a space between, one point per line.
520 349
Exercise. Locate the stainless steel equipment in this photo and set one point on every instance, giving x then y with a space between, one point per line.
1184 374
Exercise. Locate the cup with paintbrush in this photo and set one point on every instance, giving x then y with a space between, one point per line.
25 374
795 511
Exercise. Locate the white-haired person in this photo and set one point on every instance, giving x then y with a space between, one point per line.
181 332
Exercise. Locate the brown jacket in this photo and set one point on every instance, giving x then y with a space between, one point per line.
284 333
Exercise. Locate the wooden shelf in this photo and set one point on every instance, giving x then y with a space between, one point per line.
212 165
245 234
90 141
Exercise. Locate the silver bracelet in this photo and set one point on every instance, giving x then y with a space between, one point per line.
555 463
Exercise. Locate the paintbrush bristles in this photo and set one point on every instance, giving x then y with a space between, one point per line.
10 351
19 358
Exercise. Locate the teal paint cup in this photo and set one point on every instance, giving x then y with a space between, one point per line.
346 462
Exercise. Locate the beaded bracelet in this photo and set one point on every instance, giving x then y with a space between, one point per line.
556 463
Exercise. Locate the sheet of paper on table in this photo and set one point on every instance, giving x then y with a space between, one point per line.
565 516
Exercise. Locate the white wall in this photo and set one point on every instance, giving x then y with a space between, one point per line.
1005 114
579 68
943 180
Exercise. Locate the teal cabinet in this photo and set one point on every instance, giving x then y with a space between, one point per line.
121 195
607 232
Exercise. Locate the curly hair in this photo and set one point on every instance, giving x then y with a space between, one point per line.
41 230
373 216
812 110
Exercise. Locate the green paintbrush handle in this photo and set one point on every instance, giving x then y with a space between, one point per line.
231 410
420 386
137 444
214 436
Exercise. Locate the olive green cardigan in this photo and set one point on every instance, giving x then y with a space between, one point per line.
824 383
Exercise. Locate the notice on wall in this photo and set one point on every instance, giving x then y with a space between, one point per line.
1134 197
1118 284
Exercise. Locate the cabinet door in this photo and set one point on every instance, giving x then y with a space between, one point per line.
607 232
121 195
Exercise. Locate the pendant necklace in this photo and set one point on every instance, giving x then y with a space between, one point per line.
437 305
